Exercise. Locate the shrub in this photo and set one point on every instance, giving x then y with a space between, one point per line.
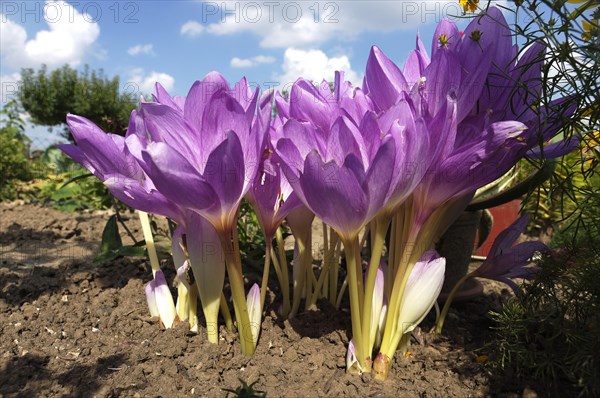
14 159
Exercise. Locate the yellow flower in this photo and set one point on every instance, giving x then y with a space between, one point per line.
592 143
588 27
470 5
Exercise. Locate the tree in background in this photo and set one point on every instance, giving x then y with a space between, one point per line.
49 96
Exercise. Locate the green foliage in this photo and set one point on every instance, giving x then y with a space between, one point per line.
112 245
552 332
567 198
246 391
49 96
571 70
14 157
250 236
65 184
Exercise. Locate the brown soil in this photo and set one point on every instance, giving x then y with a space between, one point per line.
72 328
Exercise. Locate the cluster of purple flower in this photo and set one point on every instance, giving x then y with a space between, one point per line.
412 145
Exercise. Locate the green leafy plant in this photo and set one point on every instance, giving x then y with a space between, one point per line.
246 391
552 332
14 161
64 184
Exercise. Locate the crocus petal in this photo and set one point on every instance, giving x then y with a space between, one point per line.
182 273
381 324
199 95
224 172
283 107
440 85
176 178
412 68
377 304
344 139
446 38
378 179
243 93
556 149
222 114
506 261
165 124
304 136
142 197
271 196
384 79
422 289
164 300
162 96
151 298
208 263
511 260
102 152
325 186
509 236
308 105
179 256
77 155
351 359
254 312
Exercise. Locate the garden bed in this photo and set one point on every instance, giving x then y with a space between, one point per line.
73 328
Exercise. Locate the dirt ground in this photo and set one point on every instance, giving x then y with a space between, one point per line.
70 328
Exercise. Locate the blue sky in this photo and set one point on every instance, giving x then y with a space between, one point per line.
178 42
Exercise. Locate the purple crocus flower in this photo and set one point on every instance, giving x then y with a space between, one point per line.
271 195
160 300
205 156
422 289
324 175
208 264
507 261
108 158
479 134
336 149
513 88
457 168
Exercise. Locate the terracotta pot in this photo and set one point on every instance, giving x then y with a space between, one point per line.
503 216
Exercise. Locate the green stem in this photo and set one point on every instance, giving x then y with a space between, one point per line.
311 281
350 247
225 312
193 309
301 273
338 301
276 267
183 302
440 322
285 279
334 272
265 277
407 262
236 281
379 230
359 278
327 269
147 230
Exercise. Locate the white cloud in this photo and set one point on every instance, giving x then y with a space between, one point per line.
69 38
250 62
314 65
191 29
138 49
308 24
9 85
144 84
